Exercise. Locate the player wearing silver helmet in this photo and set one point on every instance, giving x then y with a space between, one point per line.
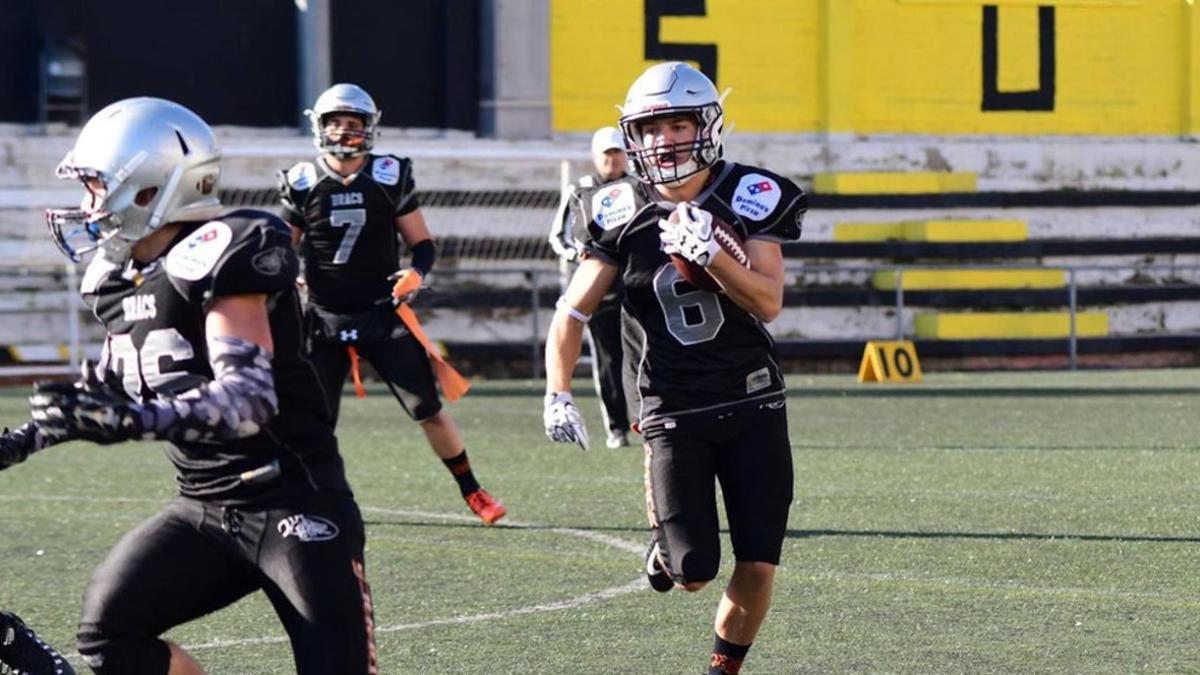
709 397
347 209
203 351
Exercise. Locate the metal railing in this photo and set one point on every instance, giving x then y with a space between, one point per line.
540 280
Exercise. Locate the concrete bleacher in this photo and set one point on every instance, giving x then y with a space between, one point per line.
998 249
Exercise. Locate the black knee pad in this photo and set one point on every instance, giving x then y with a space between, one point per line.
695 566
425 409
113 654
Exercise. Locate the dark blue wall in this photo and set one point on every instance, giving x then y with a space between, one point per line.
235 62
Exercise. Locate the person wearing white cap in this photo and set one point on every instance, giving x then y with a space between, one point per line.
604 330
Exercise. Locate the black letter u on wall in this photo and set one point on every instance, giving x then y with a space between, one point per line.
1041 98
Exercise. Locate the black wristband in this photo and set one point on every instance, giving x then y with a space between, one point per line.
423 255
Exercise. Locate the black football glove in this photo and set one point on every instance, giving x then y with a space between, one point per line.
89 409
16 445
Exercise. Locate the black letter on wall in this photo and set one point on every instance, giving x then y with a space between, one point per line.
703 54
1041 98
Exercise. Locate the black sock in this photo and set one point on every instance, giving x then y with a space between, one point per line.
726 657
460 468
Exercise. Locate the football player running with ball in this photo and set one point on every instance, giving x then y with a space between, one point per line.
348 208
203 351
710 398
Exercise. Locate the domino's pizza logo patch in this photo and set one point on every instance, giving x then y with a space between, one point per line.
386 170
756 196
302 176
194 257
613 206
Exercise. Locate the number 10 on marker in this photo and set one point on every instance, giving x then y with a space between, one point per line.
889 361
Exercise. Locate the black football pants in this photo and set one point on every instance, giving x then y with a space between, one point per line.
747 450
194 558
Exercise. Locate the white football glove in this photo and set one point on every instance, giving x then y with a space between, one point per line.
564 423
691 237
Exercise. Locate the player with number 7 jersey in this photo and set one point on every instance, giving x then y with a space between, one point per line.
349 211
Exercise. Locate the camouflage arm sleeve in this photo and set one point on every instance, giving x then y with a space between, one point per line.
237 403
17 445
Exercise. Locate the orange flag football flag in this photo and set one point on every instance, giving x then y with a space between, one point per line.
453 384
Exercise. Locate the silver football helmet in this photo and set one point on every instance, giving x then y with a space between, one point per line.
344 98
158 163
666 90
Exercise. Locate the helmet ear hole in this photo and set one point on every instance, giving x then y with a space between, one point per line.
145 196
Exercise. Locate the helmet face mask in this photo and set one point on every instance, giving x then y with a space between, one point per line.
338 141
671 90
144 162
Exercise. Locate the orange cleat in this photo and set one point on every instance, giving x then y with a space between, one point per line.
488 508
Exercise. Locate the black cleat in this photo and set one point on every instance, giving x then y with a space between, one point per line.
22 652
655 574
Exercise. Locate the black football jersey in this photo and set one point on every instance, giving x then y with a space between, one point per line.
350 240
155 317
689 349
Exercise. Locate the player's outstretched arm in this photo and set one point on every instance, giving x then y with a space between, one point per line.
17 445
564 342
238 401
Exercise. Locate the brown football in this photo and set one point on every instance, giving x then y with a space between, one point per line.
731 242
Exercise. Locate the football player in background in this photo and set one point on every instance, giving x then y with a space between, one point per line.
710 398
346 211
604 330
203 351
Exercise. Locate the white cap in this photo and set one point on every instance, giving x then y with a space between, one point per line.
607 138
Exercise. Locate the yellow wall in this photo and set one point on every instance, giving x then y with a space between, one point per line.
1123 67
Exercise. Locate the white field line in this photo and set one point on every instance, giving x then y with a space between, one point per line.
1015 587
463 619
623 589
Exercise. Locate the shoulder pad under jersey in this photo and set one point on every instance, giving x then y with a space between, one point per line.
301 177
601 212
388 169
771 206
243 252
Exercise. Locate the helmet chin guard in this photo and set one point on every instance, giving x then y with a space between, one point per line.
669 90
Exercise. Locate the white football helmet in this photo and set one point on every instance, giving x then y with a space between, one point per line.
344 98
139 146
666 90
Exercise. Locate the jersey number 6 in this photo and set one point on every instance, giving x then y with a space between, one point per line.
136 366
706 317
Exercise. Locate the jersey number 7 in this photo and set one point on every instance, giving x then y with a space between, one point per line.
353 220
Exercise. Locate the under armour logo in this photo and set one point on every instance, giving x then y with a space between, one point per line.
348 335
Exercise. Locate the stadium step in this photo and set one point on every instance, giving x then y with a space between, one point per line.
933 231
999 325
937 279
893 182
